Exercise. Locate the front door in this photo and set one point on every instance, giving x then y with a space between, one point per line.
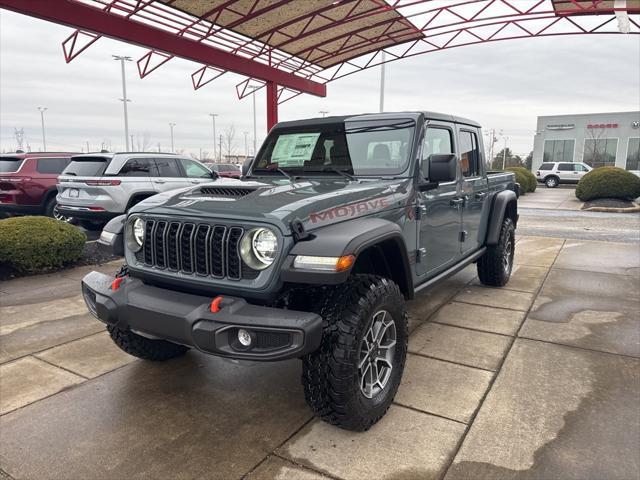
474 188
440 210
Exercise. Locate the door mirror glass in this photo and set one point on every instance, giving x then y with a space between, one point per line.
442 167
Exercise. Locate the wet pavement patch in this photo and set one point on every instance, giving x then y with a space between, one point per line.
479 317
556 412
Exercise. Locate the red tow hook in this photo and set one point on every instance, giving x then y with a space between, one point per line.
215 304
115 285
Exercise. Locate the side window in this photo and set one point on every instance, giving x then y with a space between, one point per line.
137 167
194 169
579 168
52 165
565 167
437 140
469 154
546 166
168 167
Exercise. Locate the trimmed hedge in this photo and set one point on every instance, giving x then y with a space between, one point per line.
525 178
608 182
29 244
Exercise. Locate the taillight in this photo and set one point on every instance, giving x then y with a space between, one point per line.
102 183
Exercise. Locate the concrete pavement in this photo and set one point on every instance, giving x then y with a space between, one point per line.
535 380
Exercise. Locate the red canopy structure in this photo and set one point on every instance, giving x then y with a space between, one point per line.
298 46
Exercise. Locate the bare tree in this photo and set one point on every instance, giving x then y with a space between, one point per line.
228 141
143 142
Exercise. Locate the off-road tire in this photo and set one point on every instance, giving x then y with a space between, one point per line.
552 181
330 374
491 266
145 348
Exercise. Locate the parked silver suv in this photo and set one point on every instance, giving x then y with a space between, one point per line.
97 187
553 174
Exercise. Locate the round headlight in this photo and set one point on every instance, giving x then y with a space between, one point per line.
138 231
258 248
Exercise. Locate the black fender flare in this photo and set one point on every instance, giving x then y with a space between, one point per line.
501 201
346 238
112 236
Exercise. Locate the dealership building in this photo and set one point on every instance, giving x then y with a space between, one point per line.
597 139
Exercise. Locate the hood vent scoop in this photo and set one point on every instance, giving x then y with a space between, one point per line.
227 191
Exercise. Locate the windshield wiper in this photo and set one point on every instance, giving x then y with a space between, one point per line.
338 171
279 170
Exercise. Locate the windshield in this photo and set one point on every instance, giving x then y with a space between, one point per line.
376 148
10 164
86 166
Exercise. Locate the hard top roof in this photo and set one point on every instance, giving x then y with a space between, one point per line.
377 116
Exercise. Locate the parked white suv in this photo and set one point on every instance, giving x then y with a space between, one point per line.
97 187
553 174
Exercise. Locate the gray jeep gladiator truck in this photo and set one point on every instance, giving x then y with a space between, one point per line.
313 253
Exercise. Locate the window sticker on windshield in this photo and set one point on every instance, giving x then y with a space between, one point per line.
294 148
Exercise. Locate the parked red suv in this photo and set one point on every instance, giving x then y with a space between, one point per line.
28 182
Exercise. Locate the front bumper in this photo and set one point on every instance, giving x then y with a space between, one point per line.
186 319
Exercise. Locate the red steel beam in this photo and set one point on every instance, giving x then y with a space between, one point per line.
74 14
272 105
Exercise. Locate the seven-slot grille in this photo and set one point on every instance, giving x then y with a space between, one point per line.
195 248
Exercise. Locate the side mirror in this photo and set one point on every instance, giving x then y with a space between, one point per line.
442 167
214 175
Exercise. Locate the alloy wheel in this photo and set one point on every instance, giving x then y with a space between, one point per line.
377 351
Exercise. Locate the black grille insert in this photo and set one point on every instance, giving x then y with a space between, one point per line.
189 248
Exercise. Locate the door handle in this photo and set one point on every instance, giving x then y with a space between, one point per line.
481 195
457 202
159 181
195 182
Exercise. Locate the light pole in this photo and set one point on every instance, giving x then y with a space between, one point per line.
382 83
323 113
171 125
246 146
213 120
255 134
124 98
504 152
44 138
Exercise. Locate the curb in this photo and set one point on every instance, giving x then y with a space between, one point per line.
634 209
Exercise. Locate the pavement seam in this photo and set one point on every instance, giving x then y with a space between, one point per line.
472 329
51 347
424 412
424 355
305 467
5 475
497 373
60 367
575 347
502 308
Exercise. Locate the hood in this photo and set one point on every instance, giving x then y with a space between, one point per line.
317 202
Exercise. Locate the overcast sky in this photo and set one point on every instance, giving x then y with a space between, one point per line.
503 85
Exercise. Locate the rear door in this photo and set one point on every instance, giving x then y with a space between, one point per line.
566 172
440 214
474 187
168 175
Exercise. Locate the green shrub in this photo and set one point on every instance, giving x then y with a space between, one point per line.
29 244
608 182
525 178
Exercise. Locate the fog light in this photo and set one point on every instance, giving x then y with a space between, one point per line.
244 337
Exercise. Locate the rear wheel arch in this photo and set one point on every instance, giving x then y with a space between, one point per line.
505 205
